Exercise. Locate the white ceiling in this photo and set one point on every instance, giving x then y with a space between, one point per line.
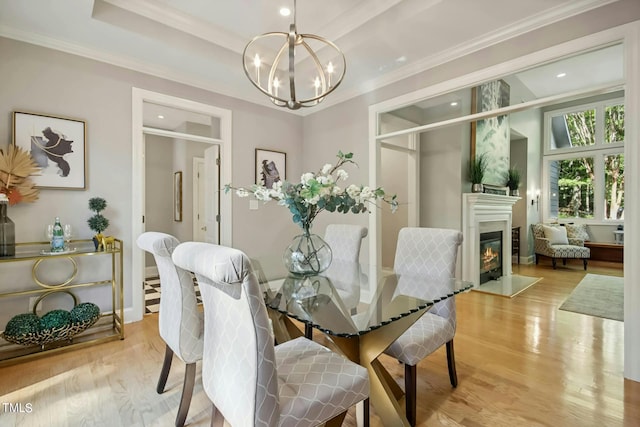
200 42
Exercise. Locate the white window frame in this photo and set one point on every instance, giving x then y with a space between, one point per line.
598 151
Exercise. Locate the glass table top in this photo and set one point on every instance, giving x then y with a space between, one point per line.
349 299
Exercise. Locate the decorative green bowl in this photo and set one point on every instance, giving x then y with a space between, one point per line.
56 325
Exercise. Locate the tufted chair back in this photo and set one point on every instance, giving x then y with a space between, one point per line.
249 380
180 323
238 365
344 272
430 253
345 241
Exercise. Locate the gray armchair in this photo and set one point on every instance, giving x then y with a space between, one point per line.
551 241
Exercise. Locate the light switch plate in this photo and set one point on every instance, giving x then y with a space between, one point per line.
253 205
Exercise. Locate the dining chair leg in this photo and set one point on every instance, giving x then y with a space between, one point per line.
217 420
166 366
308 331
365 412
451 361
187 392
410 389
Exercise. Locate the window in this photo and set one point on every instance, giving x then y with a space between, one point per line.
584 162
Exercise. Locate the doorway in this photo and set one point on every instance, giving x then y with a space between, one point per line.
217 207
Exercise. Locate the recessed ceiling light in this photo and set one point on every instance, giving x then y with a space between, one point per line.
454 103
285 11
160 116
561 75
401 59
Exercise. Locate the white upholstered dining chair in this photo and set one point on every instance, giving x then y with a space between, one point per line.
180 320
250 381
431 255
345 241
344 272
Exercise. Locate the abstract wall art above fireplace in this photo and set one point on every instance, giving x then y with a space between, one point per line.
491 136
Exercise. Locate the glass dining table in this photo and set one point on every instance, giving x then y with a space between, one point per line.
361 310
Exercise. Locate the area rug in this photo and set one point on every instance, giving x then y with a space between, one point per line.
598 295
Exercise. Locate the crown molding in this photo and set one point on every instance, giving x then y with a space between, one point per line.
130 64
356 17
173 18
526 25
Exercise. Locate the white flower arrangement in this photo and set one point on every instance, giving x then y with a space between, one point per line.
319 191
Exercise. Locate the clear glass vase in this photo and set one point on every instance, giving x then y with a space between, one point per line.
7 231
308 254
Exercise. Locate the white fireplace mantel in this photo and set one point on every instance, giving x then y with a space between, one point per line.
479 211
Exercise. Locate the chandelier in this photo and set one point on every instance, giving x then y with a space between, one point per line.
306 79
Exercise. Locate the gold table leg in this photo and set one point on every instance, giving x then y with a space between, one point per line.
385 394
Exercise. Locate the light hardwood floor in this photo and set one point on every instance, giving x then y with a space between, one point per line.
520 362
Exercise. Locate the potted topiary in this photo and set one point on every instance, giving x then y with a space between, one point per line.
477 168
97 222
513 181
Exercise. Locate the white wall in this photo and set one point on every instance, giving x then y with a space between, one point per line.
183 155
440 176
518 160
101 94
528 124
163 157
159 197
394 166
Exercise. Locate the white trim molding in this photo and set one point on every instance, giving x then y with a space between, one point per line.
138 98
632 204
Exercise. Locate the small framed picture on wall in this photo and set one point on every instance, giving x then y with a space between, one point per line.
57 145
271 167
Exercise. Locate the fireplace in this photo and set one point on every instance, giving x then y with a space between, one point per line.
485 213
490 256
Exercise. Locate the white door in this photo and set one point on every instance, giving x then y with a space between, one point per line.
212 194
199 223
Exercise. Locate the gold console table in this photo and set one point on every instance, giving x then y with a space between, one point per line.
110 325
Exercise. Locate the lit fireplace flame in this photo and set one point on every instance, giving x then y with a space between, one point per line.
489 258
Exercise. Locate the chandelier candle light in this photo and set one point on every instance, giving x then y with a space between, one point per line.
318 60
